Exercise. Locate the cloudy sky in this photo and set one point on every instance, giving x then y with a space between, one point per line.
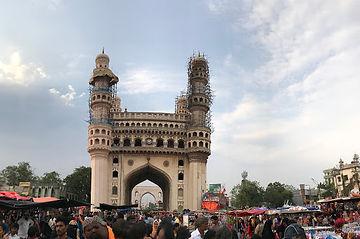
285 76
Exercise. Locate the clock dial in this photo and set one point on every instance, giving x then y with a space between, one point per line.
149 141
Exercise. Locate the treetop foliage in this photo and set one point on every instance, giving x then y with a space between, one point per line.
251 194
78 182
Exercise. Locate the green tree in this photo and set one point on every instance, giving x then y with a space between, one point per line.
79 183
327 190
247 194
18 173
276 194
51 178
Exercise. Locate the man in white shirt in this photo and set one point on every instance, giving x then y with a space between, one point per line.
24 224
201 224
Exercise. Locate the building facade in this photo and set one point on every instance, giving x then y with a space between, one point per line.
344 175
169 149
305 196
51 190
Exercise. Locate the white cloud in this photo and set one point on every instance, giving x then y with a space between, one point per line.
310 115
54 91
68 97
137 81
218 6
14 71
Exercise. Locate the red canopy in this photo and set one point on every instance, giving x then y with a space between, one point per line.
246 213
12 195
45 199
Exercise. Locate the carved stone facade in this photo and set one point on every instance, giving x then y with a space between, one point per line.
169 149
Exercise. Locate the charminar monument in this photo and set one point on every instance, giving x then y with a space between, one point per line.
169 149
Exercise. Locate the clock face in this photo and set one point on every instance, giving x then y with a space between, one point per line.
149 141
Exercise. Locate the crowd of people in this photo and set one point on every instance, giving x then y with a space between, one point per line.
66 225
135 225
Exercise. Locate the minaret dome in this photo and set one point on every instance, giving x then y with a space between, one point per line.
102 60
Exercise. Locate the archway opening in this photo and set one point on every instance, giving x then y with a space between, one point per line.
147 195
147 201
148 176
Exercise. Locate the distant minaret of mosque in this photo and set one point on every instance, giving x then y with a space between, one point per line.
199 98
102 95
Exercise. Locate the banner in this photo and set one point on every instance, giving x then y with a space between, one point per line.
215 187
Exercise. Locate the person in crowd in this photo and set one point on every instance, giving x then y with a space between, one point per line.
131 219
210 234
214 222
52 221
176 228
223 232
25 223
61 227
267 231
120 217
318 219
13 234
2 230
326 220
234 234
255 236
259 227
33 232
72 230
95 228
294 231
120 229
165 230
137 231
251 227
177 219
201 225
183 233
339 223
45 229
2 220
154 229
241 228
148 230
281 228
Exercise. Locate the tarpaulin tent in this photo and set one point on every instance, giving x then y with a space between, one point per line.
104 206
246 213
7 195
293 210
61 203
45 199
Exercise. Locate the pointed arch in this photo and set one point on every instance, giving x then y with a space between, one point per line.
152 173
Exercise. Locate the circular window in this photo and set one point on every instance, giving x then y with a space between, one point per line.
131 162
166 163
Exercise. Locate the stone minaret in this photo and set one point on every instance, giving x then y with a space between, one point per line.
181 106
198 140
99 140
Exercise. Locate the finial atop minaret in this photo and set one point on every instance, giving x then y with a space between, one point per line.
199 54
103 51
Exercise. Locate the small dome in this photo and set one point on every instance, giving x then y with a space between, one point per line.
181 99
102 60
